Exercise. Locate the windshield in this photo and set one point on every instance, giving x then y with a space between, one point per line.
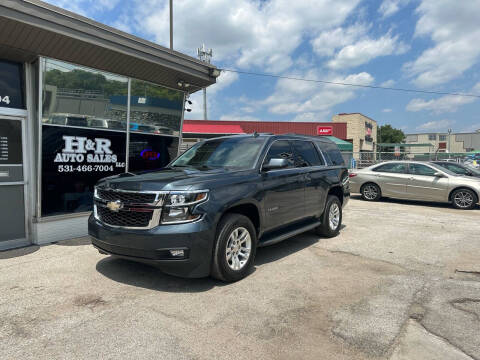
234 152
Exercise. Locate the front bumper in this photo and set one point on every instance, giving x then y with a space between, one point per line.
153 246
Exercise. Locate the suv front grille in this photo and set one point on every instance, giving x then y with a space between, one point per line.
124 218
127 197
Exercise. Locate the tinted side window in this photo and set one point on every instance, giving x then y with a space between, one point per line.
305 154
396 168
419 169
455 168
280 150
333 155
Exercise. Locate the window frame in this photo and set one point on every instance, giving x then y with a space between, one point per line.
315 148
268 150
389 172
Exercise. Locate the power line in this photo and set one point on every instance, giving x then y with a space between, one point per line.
349 84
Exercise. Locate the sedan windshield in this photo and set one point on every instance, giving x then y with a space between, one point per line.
233 152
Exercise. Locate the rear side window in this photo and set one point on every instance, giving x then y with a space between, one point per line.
331 152
419 169
280 150
305 154
396 168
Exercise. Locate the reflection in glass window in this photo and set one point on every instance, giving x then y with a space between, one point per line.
155 109
82 97
11 85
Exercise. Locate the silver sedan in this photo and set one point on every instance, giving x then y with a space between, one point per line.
414 180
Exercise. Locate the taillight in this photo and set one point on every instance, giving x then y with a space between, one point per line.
352 175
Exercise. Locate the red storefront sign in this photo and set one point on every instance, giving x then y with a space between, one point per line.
324 130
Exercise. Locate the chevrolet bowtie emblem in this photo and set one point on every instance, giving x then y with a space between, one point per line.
115 205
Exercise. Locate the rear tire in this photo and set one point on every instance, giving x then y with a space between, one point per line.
371 192
235 248
464 199
331 218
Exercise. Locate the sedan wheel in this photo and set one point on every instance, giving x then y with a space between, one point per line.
464 199
370 192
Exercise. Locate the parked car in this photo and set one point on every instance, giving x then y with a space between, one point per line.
458 168
415 180
208 210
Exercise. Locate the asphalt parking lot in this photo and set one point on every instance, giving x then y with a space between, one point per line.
401 281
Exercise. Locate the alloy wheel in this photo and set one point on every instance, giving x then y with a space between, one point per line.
334 216
239 246
463 199
370 192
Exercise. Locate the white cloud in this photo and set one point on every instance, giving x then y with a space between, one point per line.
312 117
436 125
225 79
390 7
365 50
236 117
447 103
250 33
328 41
306 98
388 83
453 27
387 110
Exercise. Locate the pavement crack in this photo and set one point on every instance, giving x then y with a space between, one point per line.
368 258
448 341
459 304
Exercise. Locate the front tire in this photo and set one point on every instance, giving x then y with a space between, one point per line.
371 192
235 248
464 199
331 218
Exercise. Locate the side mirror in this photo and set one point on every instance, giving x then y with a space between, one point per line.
275 164
439 174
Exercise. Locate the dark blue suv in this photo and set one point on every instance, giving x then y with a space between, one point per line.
208 211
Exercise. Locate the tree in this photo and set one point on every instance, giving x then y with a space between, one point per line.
389 135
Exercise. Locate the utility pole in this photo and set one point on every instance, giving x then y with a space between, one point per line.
449 136
171 24
204 55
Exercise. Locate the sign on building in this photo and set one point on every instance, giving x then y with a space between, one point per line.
324 130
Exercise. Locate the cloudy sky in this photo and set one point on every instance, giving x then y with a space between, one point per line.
417 44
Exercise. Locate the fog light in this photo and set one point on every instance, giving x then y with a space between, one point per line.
177 253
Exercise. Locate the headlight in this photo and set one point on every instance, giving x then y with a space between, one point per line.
178 206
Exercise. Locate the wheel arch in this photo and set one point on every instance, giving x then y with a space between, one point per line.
337 190
247 209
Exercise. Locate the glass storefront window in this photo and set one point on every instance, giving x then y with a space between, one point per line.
77 96
155 109
84 132
11 85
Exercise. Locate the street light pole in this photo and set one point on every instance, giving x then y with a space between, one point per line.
449 135
171 24
204 55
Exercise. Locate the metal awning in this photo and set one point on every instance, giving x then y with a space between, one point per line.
31 28
342 144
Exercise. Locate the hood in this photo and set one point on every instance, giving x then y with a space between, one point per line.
169 179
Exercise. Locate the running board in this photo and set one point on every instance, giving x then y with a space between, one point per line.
289 234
